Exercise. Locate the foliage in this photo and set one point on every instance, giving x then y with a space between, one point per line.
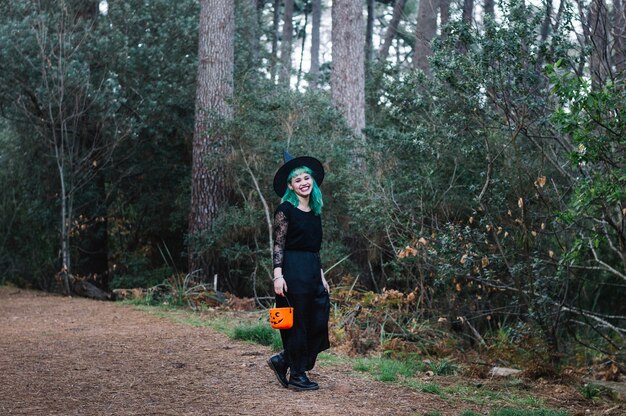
592 118
467 170
261 334
590 391
27 224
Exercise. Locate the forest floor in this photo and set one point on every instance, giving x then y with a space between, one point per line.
75 356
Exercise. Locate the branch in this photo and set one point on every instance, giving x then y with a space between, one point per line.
604 265
268 218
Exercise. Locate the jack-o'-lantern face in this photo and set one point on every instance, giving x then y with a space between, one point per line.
281 318
276 316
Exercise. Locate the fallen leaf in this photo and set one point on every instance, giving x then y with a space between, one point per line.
407 251
541 181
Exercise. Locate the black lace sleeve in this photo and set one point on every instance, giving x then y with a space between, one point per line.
280 236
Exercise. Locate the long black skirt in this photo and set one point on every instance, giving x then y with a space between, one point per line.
307 295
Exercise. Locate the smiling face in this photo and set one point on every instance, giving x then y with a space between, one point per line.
302 185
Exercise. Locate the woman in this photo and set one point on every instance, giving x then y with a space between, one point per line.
298 277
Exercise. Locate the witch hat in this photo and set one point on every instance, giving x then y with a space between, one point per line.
291 163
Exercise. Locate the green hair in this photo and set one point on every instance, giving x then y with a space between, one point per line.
316 201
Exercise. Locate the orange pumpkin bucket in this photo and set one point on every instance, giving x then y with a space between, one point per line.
281 318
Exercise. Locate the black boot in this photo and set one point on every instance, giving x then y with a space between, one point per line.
301 382
278 364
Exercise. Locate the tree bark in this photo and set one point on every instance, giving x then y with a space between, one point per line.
547 22
468 11
392 29
285 45
275 24
489 8
304 28
369 32
316 16
213 90
599 63
619 32
424 34
348 72
444 13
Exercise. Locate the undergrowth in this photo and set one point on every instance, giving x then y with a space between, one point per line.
258 333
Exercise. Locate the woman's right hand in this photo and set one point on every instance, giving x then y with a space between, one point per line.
280 286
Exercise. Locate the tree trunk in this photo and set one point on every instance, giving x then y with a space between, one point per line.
468 11
489 8
285 45
306 23
424 34
248 29
599 63
392 29
547 22
275 24
369 33
66 221
444 14
316 16
619 31
213 90
92 239
348 72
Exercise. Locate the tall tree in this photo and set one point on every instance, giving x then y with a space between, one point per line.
392 29
444 12
316 16
348 72
599 64
302 33
619 32
424 34
286 44
468 11
214 88
275 25
488 8
369 32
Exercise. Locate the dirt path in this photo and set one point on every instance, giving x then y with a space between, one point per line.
69 356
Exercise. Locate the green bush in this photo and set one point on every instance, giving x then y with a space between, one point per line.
443 367
259 333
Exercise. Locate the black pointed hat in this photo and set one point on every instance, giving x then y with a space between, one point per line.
290 163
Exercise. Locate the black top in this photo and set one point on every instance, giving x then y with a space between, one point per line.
295 229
